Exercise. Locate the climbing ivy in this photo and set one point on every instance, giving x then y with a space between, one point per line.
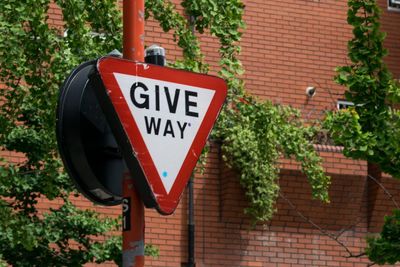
385 248
36 56
371 129
171 20
254 134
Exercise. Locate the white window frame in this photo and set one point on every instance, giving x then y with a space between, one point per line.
394 5
343 104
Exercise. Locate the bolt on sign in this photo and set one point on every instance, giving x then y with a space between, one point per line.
161 118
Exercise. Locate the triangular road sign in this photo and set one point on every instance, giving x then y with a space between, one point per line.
161 118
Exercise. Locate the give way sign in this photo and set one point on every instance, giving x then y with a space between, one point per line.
161 119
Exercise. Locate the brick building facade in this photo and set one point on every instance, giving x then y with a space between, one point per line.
287 47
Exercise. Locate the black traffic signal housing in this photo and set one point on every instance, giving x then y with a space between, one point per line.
86 144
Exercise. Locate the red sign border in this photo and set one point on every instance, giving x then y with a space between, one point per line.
107 66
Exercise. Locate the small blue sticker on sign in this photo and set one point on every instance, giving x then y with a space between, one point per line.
165 174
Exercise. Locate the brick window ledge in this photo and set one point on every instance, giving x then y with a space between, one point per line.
334 162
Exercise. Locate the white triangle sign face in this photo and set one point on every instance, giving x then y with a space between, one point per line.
167 130
165 115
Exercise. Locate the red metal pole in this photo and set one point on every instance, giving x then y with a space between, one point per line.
133 208
133 21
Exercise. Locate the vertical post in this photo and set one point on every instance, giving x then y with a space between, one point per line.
133 29
191 230
133 208
191 262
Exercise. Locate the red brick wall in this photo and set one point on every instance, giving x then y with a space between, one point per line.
225 237
390 24
287 46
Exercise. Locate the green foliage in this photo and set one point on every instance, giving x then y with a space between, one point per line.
385 249
371 129
224 20
2 262
346 129
27 241
34 60
151 250
170 19
254 134
36 57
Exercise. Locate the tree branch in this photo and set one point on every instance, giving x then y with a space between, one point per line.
323 231
384 190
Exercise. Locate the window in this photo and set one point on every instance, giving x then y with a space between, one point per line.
343 104
394 5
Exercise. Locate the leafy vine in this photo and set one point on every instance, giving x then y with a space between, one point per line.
385 248
34 59
371 129
255 134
